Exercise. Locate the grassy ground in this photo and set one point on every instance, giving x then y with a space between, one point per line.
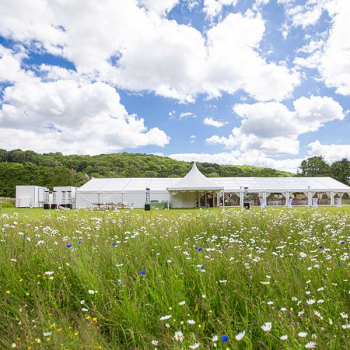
36 213
122 280
7 202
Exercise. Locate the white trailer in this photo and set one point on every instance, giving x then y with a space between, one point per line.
65 195
30 196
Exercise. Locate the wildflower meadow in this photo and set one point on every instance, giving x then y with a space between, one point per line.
206 279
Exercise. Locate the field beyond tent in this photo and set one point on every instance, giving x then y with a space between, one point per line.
177 279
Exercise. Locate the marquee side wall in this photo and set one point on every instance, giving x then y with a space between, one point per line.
134 199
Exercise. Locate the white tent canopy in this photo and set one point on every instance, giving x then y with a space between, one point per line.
281 184
228 184
186 192
195 181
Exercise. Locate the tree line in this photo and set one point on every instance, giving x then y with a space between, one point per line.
19 167
317 166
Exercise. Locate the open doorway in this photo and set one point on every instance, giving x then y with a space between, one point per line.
206 200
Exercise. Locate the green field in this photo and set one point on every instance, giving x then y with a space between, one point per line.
175 279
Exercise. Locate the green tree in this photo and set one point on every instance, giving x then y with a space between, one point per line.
16 156
341 171
3 155
314 167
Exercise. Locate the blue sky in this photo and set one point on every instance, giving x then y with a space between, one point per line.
260 82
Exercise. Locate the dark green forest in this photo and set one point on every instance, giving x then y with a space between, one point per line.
53 169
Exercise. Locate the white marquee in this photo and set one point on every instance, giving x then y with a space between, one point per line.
186 192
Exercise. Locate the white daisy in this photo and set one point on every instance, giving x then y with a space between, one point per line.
267 326
179 336
163 318
240 336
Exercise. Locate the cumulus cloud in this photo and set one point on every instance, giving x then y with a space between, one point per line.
331 152
105 43
261 2
213 8
245 143
331 56
272 128
10 65
233 61
160 6
334 62
304 15
68 115
210 121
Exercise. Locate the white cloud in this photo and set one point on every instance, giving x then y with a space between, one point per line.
255 158
331 56
106 41
313 112
10 65
334 61
261 2
246 143
331 153
191 4
304 15
69 116
312 46
270 129
210 121
233 61
213 8
160 6
185 115
273 129
193 138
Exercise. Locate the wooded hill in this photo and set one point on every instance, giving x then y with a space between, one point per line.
54 169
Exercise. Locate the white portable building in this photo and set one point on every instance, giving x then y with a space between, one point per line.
30 196
63 193
196 190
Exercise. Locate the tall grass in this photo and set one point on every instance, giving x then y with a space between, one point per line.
88 280
7 202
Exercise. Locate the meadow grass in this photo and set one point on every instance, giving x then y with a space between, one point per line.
7 202
125 279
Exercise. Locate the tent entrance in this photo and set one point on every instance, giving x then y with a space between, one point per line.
206 200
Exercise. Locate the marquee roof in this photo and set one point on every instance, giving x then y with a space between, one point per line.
192 181
195 181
